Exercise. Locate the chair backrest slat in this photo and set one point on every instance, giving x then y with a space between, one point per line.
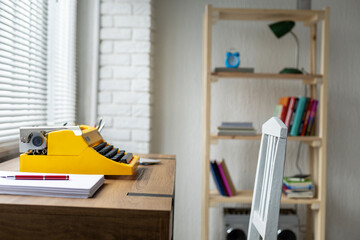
268 181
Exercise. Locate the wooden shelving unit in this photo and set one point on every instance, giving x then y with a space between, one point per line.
316 207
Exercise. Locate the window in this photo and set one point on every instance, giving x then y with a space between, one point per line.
62 62
37 65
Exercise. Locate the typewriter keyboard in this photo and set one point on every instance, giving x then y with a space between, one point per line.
112 153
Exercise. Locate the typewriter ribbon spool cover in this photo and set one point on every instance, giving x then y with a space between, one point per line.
70 149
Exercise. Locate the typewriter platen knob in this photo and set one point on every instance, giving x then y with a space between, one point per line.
37 141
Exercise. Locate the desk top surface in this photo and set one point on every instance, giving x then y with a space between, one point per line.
156 180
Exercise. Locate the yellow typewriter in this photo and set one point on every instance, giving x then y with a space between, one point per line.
73 150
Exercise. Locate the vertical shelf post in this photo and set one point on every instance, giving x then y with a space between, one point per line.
207 34
320 214
311 150
313 60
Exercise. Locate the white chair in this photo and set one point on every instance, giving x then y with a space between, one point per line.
265 206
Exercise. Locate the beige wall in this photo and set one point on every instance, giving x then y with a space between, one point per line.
177 103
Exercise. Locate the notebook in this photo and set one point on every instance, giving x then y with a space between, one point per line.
78 185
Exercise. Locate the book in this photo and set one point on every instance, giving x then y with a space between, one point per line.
297 194
311 118
242 69
236 133
299 188
306 108
287 189
293 183
293 114
289 111
278 110
236 129
78 185
298 115
306 121
284 101
224 180
227 177
237 124
298 177
283 114
217 178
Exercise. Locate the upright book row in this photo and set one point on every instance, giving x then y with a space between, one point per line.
298 114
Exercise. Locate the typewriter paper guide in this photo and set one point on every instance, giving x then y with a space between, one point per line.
74 154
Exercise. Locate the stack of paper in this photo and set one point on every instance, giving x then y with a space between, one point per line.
78 185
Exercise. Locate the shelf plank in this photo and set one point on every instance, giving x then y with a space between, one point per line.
245 196
307 78
313 140
306 16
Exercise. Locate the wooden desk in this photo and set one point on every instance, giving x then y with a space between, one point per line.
110 214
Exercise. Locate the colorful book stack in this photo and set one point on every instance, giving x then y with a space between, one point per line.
298 187
236 129
298 114
222 178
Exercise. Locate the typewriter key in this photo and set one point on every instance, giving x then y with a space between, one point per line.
106 149
100 146
118 156
127 158
112 153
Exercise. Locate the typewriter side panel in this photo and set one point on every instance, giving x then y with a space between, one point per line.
65 143
89 162
47 164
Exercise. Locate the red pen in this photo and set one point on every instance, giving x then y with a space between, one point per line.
37 177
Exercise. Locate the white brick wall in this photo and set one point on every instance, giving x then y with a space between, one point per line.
125 73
